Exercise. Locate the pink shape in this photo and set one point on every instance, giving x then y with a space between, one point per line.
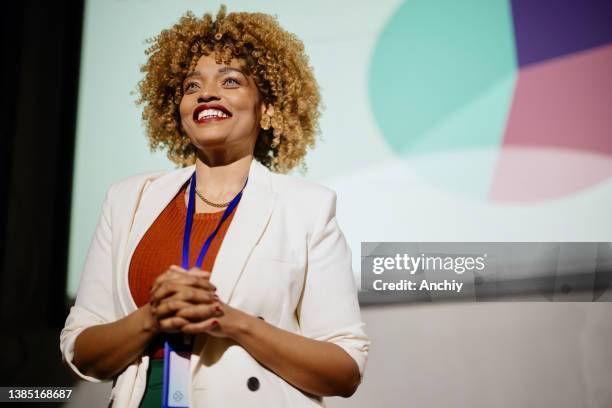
558 137
528 174
565 102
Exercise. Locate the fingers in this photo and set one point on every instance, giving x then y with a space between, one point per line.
206 325
172 270
173 316
198 313
183 299
172 324
168 307
182 291
195 275
180 297
187 287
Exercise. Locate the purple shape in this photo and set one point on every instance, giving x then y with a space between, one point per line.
546 29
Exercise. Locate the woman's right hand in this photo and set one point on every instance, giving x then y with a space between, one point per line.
176 289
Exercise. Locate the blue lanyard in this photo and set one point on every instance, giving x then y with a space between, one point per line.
189 223
177 352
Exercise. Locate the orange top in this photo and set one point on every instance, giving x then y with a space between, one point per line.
162 246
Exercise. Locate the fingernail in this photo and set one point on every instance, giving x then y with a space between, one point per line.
218 309
215 323
215 296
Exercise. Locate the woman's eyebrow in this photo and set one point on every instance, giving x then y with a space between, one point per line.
222 70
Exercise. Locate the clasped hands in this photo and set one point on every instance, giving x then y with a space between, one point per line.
185 301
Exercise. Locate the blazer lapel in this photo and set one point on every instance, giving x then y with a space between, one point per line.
150 204
249 222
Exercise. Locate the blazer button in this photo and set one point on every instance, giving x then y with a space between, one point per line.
253 384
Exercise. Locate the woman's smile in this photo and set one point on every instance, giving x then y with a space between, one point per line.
210 112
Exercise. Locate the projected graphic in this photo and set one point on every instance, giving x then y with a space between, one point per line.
472 120
525 84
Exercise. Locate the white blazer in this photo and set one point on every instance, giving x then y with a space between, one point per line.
283 258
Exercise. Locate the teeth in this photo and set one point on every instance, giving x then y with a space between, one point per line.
212 113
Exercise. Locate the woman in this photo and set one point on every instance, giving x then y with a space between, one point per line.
271 303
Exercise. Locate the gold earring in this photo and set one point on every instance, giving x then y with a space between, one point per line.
265 122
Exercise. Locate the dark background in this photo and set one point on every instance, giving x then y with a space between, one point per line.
40 49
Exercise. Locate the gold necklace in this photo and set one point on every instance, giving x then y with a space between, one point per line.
223 205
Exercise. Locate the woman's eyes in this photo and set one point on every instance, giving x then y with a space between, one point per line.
191 85
232 82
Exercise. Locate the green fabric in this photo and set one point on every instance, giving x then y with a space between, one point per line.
155 384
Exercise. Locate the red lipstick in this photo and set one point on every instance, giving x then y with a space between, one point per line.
216 112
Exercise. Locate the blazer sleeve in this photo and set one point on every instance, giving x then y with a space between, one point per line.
329 309
94 301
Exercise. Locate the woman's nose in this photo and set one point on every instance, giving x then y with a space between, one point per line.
208 92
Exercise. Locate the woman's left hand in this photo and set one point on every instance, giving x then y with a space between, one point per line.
227 325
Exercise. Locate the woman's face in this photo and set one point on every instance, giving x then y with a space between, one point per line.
221 107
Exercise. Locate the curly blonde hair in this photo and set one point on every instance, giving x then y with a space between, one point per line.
274 57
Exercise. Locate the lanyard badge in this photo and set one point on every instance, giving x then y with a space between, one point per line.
177 348
177 355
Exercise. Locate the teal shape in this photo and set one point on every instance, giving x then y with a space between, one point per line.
467 170
431 59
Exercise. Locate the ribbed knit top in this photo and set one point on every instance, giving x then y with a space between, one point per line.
162 246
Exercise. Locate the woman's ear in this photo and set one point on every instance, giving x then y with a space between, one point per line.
267 109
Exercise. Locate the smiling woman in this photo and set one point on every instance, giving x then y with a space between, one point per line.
251 50
212 125
222 283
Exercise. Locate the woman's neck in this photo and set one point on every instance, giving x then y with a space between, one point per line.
221 181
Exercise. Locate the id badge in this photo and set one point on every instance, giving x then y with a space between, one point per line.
177 358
